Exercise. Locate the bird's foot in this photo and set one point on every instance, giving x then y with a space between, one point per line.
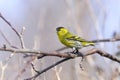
76 51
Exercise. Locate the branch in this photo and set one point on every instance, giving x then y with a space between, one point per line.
103 53
106 40
63 55
7 40
46 69
17 33
25 51
89 52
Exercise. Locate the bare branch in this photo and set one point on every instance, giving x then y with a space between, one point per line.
104 54
63 55
106 40
89 52
46 69
25 67
25 51
7 40
23 30
17 33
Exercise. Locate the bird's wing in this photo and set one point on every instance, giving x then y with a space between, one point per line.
75 38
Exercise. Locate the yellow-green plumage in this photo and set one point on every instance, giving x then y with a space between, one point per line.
70 40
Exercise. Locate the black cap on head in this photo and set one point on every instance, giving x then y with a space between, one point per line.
58 28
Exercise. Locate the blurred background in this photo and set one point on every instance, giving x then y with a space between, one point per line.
90 19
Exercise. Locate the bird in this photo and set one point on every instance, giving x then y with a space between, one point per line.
72 41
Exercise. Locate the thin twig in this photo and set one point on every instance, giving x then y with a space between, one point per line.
33 67
25 67
7 40
60 49
17 33
106 40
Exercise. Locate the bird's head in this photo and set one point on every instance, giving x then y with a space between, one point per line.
61 31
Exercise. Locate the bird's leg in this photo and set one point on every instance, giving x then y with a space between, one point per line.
76 51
